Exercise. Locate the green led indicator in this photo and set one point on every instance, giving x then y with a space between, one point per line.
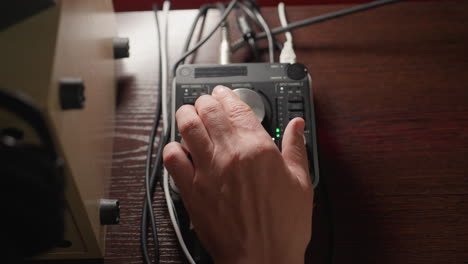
278 135
277 130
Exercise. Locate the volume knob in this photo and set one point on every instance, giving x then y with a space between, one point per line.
253 100
296 71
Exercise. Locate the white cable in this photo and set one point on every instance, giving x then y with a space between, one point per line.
170 207
283 20
287 54
164 64
164 70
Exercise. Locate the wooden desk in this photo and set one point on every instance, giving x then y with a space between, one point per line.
391 90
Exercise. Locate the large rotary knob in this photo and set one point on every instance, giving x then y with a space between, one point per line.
253 100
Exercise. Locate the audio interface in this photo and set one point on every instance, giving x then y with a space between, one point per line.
276 92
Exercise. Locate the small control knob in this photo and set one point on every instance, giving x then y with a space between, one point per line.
252 99
121 48
72 93
109 211
296 71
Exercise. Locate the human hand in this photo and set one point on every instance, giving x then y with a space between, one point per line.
248 202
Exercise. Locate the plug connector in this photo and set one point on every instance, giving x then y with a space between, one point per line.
287 54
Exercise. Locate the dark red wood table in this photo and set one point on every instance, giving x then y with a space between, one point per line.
391 96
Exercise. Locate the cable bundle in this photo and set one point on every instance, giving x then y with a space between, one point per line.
153 167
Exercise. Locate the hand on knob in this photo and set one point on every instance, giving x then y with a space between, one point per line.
248 202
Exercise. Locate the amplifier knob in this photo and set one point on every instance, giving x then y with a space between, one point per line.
252 99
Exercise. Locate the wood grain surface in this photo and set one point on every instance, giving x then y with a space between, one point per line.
391 96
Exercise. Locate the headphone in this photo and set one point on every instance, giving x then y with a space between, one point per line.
32 189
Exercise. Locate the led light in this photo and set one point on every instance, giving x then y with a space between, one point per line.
277 130
278 135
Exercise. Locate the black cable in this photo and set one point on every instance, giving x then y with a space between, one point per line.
221 7
249 12
266 28
201 13
199 35
231 5
247 32
157 172
252 7
314 20
253 12
157 169
149 186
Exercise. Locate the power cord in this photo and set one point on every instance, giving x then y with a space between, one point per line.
167 193
253 12
248 34
149 180
228 10
201 14
156 172
314 20
267 30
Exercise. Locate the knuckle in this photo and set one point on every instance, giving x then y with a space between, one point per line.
201 100
169 153
189 126
183 110
202 186
243 115
266 147
262 149
208 109
232 157
207 106
239 110
219 86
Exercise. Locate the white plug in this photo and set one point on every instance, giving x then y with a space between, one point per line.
287 53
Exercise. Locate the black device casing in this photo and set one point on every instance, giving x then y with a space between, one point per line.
286 93
284 97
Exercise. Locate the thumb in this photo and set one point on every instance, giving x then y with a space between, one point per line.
179 166
294 150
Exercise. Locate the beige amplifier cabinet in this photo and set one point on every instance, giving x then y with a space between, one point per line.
70 44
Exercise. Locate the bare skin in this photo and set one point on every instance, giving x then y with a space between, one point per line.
249 203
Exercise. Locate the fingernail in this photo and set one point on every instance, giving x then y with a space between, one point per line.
219 89
301 126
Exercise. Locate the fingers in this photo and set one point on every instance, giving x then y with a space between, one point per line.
294 150
179 166
214 118
194 134
240 114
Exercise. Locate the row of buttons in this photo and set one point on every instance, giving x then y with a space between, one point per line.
192 94
295 106
190 100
